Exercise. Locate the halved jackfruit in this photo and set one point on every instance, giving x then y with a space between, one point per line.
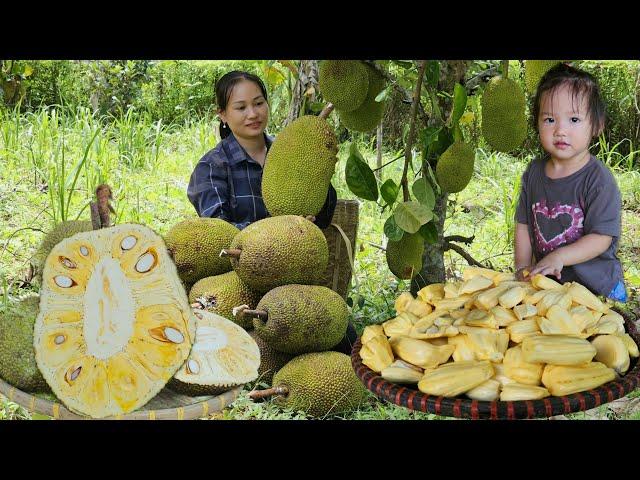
114 323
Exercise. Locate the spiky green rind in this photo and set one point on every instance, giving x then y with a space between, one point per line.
368 115
343 83
404 257
534 70
455 167
504 121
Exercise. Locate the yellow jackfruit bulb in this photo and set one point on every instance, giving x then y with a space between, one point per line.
543 282
504 121
401 325
513 392
463 351
631 345
455 167
376 353
556 298
503 277
521 329
525 311
503 315
487 391
404 257
557 350
471 272
584 317
489 298
402 301
449 304
485 343
499 374
475 284
612 351
371 331
581 295
452 289
455 378
115 322
511 297
435 291
402 372
418 308
558 322
565 380
517 368
420 353
480 318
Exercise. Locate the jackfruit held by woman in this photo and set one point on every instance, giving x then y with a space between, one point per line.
114 323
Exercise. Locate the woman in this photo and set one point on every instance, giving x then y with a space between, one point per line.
227 181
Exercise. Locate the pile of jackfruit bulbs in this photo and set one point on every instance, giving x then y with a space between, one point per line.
491 337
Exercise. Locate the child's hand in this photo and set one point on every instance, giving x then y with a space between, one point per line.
523 273
550 265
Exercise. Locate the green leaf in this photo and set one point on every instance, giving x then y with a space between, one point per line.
427 136
389 191
410 216
360 178
457 133
459 103
384 94
402 63
429 232
392 231
424 193
432 73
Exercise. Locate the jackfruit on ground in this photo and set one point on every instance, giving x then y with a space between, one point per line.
195 244
299 167
220 293
222 357
344 83
17 357
455 167
302 318
404 257
320 384
271 360
114 323
368 115
280 251
534 70
504 121
58 233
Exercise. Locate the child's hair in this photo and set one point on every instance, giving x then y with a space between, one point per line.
225 85
580 83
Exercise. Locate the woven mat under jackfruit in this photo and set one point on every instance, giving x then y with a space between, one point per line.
414 399
167 405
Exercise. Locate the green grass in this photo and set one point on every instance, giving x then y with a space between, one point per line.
51 161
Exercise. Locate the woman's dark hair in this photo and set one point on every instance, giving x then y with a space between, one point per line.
580 83
225 85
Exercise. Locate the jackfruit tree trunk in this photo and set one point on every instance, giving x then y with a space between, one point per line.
433 269
305 88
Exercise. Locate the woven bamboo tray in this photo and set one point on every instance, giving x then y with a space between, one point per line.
413 399
167 405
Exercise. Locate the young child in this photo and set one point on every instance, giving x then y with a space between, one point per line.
569 213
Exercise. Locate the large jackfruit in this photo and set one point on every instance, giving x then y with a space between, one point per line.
220 293
271 360
504 121
368 115
404 257
58 233
455 167
279 251
345 83
320 384
114 323
222 357
17 357
299 167
195 244
534 70
302 318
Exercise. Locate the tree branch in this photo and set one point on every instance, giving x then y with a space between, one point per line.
459 238
479 78
412 129
461 251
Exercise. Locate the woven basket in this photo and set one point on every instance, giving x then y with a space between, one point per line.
338 274
414 399
167 405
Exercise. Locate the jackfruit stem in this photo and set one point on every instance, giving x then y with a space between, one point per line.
269 392
326 111
230 252
261 314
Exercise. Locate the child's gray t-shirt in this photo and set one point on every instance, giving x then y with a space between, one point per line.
560 211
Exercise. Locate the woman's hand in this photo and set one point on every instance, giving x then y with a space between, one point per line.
552 264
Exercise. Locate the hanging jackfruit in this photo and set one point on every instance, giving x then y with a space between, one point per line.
504 121
345 83
455 167
404 257
114 323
